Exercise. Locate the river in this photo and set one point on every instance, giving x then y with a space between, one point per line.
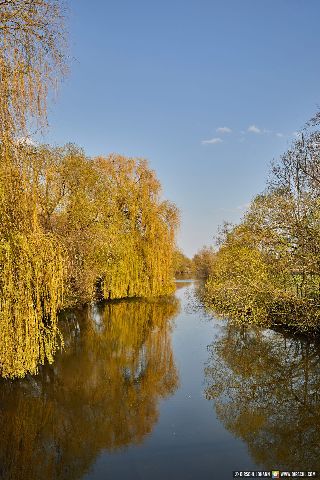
162 389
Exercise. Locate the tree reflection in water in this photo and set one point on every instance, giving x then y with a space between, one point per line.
102 392
266 390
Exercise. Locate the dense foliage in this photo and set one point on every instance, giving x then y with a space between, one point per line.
267 268
75 229
32 58
116 232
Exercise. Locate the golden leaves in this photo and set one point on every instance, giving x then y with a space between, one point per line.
76 229
32 58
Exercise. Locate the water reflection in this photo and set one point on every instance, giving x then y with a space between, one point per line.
266 391
102 392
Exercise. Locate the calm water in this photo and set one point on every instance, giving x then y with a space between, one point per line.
162 390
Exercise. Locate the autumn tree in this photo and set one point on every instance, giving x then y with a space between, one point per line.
118 234
73 228
267 268
32 58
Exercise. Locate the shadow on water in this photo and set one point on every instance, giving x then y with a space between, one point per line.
102 392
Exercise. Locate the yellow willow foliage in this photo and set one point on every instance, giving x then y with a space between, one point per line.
30 295
32 46
109 215
102 393
90 228
31 274
140 261
140 266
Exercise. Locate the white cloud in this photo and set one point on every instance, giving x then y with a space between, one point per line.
254 129
212 141
224 130
279 135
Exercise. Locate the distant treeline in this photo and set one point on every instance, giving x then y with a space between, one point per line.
266 270
198 267
73 228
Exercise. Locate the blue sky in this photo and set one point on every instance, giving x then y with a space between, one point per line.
156 79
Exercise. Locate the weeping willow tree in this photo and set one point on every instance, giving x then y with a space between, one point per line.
86 229
141 262
73 228
31 268
117 232
32 59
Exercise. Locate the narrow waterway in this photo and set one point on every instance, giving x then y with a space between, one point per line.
163 390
